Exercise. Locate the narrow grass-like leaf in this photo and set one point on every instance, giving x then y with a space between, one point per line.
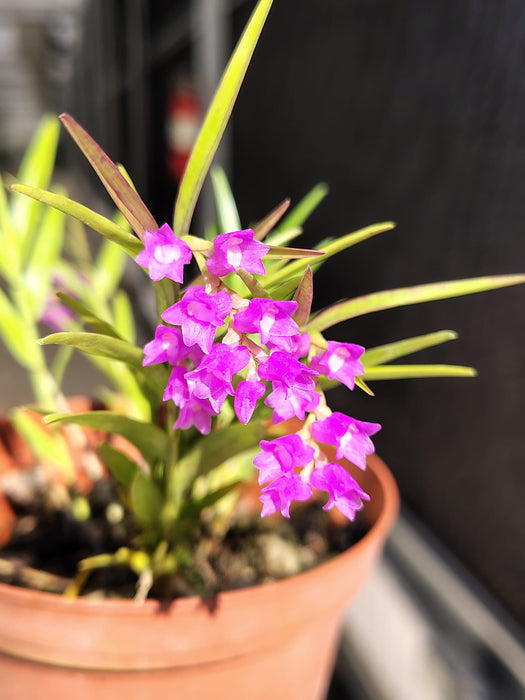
146 499
123 316
14 333
36 169
98 344
304 296
286 288
252 283
216 119
108 269
416 371
304 209
46 249
97 222
391 351
120 465
227 213
88 316
405 296
215 449
263 228
283 237
149 439
330 249
121 192
10 259
49 447
282 253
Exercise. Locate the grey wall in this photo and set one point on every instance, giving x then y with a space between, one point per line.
413 111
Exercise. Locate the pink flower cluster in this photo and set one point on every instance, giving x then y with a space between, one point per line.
260 354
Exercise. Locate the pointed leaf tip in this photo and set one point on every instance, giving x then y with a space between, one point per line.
121 192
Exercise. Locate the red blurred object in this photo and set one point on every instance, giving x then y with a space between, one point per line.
184 113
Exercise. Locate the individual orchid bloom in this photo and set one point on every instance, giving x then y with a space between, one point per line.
212 379
167 346
279 495
272 319
199 314
246 397
177 386
164 254
340 361
281 456
351 437
237 250
343 490
293 386
195 412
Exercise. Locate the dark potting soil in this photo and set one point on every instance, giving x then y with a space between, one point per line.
48 542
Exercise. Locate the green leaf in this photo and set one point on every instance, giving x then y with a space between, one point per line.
121 192
282 253
386 353
36 169
416 371
304 296
98 344
288 287
97 222
48 447
108 269
88 316
215 449
195 506
216 119
304 209
264 226
120 465
123 316
47 248
227 213
252 283
283 237
10 260
14 333
330 249
405 296
146 499
149 439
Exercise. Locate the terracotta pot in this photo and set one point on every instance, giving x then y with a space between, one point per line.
273 641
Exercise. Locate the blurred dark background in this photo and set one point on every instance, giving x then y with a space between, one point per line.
410 111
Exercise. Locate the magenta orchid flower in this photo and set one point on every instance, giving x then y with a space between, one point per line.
343 490
272 319
281 456
212 379
293 386
199 314
340 361
164 254
351 437
237 250
278 495
246 397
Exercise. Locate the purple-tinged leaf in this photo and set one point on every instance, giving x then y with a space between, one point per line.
121 192
265 225
304 296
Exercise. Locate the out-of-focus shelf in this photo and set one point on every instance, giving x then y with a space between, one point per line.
423 629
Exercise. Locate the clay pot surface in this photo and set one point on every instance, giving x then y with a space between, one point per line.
273 641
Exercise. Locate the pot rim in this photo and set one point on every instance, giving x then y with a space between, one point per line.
378 530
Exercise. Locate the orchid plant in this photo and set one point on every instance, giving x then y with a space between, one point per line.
238 364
